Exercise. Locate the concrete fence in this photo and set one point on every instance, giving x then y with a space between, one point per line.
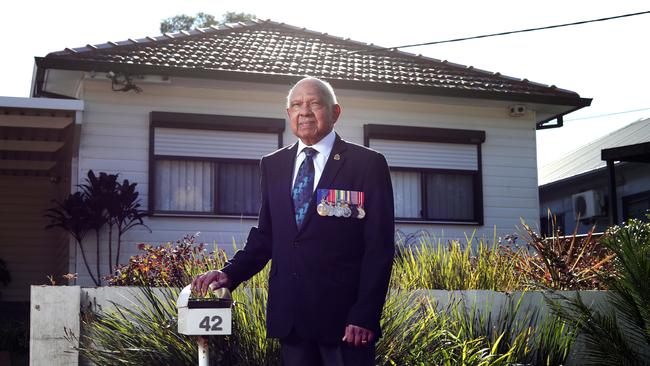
55 312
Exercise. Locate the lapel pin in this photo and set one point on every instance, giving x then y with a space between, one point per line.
337 157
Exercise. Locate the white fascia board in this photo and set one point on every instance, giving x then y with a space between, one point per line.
42 103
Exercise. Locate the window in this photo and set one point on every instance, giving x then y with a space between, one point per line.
549 225
436 172
636 206
208 164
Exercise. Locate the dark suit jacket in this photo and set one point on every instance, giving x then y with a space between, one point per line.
333 271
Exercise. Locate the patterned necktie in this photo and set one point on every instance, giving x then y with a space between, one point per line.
304 185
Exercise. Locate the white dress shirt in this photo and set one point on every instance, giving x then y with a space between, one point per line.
324 148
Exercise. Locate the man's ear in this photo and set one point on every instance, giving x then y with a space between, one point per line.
336 112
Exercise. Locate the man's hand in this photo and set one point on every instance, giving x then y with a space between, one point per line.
357 336
211 280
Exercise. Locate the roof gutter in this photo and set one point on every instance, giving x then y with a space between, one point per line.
543 125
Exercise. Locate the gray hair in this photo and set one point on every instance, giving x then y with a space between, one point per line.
323 85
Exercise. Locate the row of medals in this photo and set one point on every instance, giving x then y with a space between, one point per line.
340 209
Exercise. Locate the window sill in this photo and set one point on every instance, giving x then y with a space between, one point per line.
202 216
437 222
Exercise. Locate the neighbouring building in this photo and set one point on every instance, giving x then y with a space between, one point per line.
582 191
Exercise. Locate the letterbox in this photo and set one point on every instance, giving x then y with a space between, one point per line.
209 316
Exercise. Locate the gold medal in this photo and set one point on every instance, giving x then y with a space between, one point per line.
360 213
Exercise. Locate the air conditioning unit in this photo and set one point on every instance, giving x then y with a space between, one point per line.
588 204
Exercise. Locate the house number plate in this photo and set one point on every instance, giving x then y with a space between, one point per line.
209 321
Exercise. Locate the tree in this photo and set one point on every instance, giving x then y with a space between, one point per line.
181 22
101 201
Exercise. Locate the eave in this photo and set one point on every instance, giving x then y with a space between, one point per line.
44 63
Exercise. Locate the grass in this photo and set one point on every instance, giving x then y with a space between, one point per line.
431 264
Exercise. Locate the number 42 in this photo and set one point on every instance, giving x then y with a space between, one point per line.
216 322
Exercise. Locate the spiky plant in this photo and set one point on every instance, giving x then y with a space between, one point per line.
430 263
619 335
561 262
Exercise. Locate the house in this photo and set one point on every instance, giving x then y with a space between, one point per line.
586 188
188 115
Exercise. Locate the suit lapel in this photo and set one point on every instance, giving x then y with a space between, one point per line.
334 163
332 166
285 174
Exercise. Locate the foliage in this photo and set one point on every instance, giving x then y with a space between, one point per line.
123 212
141 334
102 200
167 265
145 331
70 215
562 263
430 264
621 335
181 22
417 330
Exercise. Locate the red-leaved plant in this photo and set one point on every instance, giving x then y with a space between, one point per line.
172 265
557 262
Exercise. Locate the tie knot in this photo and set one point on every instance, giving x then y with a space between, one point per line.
309 152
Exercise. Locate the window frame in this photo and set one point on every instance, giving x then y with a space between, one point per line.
435 135
635 197
214 122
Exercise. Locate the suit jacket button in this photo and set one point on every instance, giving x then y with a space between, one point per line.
295 244
294 275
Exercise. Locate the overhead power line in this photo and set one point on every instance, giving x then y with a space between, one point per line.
504 33
607 114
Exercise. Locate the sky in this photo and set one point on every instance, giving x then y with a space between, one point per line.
606 61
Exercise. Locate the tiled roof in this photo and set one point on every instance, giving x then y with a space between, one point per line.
271 48
587 158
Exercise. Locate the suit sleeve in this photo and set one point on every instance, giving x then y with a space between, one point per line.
379 237
257 251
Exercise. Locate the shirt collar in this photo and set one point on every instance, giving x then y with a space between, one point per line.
324 146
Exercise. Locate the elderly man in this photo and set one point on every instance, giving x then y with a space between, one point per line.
326 222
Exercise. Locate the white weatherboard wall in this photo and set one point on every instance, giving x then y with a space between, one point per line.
115 139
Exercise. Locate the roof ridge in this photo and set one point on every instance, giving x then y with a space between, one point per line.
198 31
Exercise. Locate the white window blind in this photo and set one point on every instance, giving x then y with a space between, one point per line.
184 186
428 155
213 143
407 194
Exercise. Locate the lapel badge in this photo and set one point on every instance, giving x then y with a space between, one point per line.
337 157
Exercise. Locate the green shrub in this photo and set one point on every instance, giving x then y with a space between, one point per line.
167 265
432 264
419 331
416 330
145 332
621 335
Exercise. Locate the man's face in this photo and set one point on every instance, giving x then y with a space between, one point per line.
311 114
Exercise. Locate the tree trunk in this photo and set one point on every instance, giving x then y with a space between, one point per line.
99 272
83 255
